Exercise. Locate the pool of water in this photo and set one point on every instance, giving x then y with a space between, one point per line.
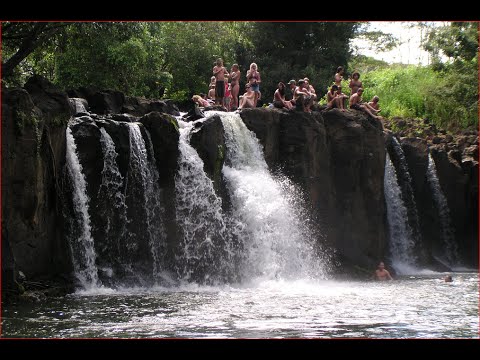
421 306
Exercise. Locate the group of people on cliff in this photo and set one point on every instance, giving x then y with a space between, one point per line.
224 91
224 88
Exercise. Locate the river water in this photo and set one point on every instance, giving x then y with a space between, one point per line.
419 306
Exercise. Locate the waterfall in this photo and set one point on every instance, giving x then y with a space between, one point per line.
147 213
405 182
78 105
111 203
447 233
204 246
270 226
401 236
80 238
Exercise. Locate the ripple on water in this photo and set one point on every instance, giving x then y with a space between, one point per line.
424 307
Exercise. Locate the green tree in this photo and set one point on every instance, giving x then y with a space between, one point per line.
115 55
20 40
191 49
294 50
455 100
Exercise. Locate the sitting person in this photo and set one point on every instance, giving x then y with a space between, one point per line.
211 89
292 86
303 98
279 97
341 98
310 88
335 98
357 104
374 103
247 100
204 97
197 99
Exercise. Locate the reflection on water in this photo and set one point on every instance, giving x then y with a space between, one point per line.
411 307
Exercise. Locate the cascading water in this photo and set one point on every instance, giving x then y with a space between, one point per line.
405 182
275 239
205 253
144 189
111 205
447 233
401 237
80 238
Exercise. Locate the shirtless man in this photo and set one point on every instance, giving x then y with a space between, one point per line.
235 77
357 104
381 273
303 96
219 72
355 83
332 100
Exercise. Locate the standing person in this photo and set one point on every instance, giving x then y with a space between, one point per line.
355 83
253 78
219 72
279 97
228 96
235 78
211 89
381 273
339 76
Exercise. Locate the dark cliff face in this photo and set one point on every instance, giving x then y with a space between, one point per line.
33 157
338 159
457 171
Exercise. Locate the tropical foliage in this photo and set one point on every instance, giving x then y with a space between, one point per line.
175 60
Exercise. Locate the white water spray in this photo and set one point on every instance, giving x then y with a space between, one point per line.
272 230
81 242
448 236
145 178
205 246
401 236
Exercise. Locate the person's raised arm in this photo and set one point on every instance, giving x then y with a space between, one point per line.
259 80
